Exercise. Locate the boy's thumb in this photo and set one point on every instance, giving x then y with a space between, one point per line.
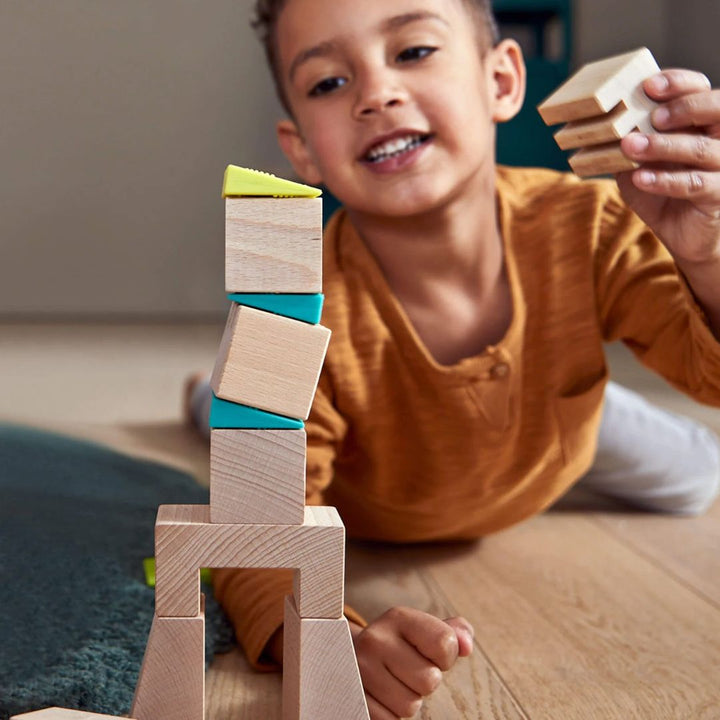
465 634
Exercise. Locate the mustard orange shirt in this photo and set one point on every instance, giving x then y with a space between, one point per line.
411 450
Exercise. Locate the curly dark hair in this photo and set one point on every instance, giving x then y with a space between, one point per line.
267 13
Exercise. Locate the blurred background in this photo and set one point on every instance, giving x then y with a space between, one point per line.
118 119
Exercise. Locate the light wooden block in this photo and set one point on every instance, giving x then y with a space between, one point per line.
599 86
600 130
601 160
186 540
273 245
171 684
269 362
56 713
257 476
321 679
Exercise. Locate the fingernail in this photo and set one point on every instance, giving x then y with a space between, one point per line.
646 177
659 83
638 143
661 116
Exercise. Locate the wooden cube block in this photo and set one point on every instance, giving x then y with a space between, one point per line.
56 713
321 679
257 476
171 684
186 540
273 245
269 362
599 86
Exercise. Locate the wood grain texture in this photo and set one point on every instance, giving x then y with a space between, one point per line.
273 245
171 685
599 86
269 362
321 679
580 626
56 713
186 540
380 576
687 548
601 160
596 131
257 476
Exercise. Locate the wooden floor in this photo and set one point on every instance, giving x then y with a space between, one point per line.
587 612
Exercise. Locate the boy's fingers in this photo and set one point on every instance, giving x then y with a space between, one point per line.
431 637
414 670
696 109
465 634
695 150
695 185
378 711
386 690
674 82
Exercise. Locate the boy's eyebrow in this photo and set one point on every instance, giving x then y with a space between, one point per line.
322 50
399 21
394 23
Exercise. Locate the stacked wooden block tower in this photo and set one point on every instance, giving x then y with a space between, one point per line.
601 104
264 381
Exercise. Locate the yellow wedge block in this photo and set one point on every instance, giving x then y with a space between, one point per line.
243 182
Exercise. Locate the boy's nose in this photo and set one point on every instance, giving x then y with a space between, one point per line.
378 95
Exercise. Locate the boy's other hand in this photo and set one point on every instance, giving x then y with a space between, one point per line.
402 656
676 191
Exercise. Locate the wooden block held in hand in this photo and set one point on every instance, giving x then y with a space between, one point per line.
171 684
273 245
599 86
269 362
257 476
601 160
321 679
186 540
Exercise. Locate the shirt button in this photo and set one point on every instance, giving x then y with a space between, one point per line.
499 371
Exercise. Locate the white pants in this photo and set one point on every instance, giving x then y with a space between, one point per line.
654 459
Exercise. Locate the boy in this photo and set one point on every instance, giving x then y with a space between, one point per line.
464 383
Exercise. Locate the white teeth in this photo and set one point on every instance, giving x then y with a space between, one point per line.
394 147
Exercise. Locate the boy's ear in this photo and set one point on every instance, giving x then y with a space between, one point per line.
509 78
296 151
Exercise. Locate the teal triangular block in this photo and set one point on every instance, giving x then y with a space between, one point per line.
307 308
226 415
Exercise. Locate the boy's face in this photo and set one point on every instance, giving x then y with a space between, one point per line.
394 101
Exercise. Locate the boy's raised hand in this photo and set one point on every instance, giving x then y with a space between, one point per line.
402 656
676 191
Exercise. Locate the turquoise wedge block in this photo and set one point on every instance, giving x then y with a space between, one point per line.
307 308
225 415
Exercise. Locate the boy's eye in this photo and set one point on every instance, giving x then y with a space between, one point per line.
415 53
326 86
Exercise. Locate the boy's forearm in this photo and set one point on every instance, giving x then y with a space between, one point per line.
704 281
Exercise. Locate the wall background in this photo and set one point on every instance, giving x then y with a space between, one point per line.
118 119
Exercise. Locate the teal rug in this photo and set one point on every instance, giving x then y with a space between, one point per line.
76 522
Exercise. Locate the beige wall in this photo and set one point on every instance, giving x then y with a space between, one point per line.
605 27
118 118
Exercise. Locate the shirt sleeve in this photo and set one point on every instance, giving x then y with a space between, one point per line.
644 301
254 599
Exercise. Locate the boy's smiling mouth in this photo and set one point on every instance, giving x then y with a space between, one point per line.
395 147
